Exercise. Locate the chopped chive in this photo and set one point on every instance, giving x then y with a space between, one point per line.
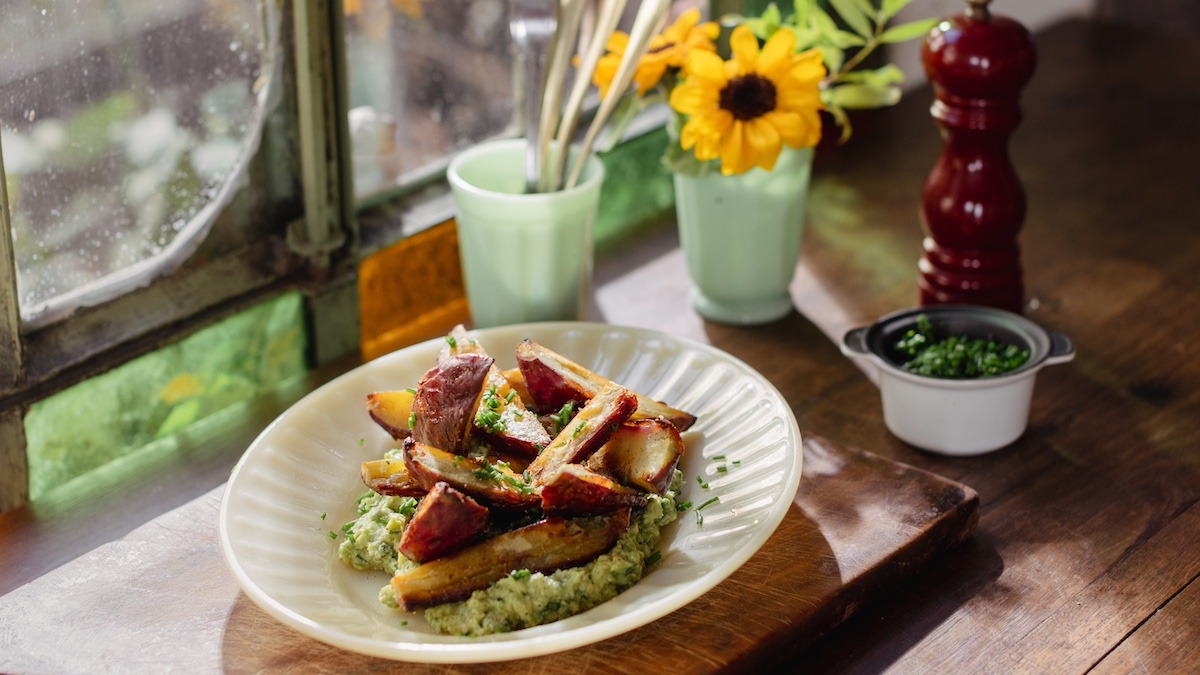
452 342
718 458
412 419
722 469
702 506
579 429
403 624
511 395
323 514
410 390
332 535
653 558
737 462
701 482
699 518
684 506
362 442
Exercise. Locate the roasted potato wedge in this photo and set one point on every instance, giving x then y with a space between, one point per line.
547 545
391 410
642 453
447 396
491 483
587 431
516 382
577 490
501 418
445 521
554 380
390 477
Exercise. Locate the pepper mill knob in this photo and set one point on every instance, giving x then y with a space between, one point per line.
973 205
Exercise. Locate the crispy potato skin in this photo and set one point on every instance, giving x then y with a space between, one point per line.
587 431
429 466
554 380
547 545
519 431
447 397
445 521
641 453
575 489
390 477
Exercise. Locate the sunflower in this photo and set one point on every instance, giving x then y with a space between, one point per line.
746 109
668 49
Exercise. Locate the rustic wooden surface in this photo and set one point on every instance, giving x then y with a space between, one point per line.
859 525
1087 552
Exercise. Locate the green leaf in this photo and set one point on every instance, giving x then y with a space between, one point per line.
854 17
846 39
833 57
907 31
772 17
881 77
802 11
805 37
839 117
822 22
891 8
867 7
862 96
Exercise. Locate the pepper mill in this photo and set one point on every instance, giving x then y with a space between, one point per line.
972 206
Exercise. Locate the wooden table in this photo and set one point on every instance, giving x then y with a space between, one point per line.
1087 551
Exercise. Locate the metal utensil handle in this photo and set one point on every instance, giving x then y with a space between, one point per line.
532 24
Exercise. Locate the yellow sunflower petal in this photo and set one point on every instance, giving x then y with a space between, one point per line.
736 153
776 56
690 98
606 71
618 42
764 138
789 125
808 67
745 49
648 75
706 65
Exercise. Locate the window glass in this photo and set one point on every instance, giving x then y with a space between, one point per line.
426 79
137 409
126 125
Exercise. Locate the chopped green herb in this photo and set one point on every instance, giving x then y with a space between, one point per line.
701 482
705 504
520 574
323 514
722 468
699 518
684 506
490 421
736 462
332 535
512 393
452 342
653 558
957 356
488 471
718 458
412 420
579 429
403 624
490 400
362 442
563 417
410 390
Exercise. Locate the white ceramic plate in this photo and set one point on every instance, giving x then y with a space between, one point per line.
306 464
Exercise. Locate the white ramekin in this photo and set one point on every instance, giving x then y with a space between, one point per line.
957 417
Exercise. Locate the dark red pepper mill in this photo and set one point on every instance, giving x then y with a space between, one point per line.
973 205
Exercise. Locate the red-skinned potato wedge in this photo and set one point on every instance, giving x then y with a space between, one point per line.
545 546
501 417
390 410
445 521
516 382
587 431
577 490
446 399
554 380
642 453
390 477
491 483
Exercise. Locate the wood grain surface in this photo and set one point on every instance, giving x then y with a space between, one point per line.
1087 547
859 525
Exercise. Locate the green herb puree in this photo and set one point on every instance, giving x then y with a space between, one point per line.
521 600
371 539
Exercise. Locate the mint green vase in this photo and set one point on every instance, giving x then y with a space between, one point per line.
741 238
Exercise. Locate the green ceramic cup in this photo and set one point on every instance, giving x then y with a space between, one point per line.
525 257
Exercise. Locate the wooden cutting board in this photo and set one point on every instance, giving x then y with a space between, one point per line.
162 599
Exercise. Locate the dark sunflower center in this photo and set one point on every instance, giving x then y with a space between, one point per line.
748 96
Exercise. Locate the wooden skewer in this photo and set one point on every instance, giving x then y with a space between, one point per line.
648 17
570 12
